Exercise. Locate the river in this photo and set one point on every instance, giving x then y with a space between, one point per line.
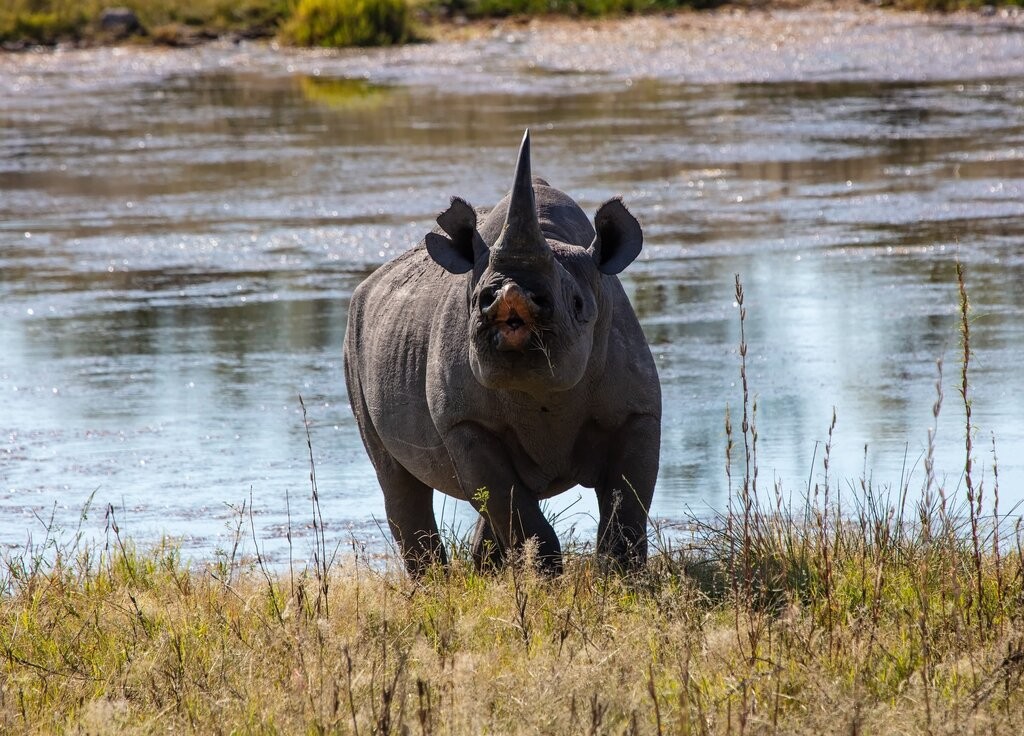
181 230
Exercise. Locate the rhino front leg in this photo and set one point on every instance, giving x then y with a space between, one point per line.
624 495
511 509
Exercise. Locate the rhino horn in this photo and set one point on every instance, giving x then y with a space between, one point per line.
521 240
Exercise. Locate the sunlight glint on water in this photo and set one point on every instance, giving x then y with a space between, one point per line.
177 252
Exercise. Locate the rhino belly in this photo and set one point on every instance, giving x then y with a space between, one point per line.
416 445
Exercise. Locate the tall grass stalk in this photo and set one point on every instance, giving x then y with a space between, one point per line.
974 495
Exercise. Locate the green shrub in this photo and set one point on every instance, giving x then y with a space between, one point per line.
349 23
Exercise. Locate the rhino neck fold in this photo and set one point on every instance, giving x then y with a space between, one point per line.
521 241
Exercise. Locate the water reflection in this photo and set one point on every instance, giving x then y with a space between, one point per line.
177 254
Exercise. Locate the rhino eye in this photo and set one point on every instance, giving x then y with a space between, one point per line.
577 304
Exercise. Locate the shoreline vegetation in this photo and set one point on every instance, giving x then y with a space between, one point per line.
869 609
26 24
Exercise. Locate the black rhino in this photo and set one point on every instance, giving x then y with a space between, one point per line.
500 361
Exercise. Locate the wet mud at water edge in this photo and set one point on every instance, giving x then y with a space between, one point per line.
180 232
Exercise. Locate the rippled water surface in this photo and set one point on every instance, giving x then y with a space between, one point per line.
180 232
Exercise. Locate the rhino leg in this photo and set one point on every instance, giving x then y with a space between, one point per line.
488 553
624 495
488 479
409 505
410 508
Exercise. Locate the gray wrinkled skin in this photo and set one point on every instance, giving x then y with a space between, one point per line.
500 361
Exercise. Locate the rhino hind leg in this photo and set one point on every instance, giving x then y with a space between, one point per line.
487 550
624 496
409 505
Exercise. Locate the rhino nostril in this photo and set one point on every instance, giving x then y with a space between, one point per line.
486 302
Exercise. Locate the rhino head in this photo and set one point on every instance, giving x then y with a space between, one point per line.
538 313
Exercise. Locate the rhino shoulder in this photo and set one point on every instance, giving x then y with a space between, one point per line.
409 268
392 311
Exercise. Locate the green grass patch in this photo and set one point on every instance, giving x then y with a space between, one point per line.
349 23
43 21
303 22
325 22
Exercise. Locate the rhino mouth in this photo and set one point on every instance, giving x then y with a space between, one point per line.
513 334
513 318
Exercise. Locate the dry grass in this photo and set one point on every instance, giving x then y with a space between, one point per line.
890 616
891 639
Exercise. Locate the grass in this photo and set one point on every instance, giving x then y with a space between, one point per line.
324 22
52 21
302 22
880 615
349 23
855 635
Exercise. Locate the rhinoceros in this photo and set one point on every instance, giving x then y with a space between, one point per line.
500 361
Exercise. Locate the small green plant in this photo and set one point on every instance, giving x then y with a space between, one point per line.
349 23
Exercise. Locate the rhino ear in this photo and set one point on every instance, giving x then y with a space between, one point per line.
619 237
458 251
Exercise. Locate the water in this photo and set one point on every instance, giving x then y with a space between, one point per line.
180 232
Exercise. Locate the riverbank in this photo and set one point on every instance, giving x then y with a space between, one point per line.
820 41
336 23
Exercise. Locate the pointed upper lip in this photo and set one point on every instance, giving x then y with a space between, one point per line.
514 315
